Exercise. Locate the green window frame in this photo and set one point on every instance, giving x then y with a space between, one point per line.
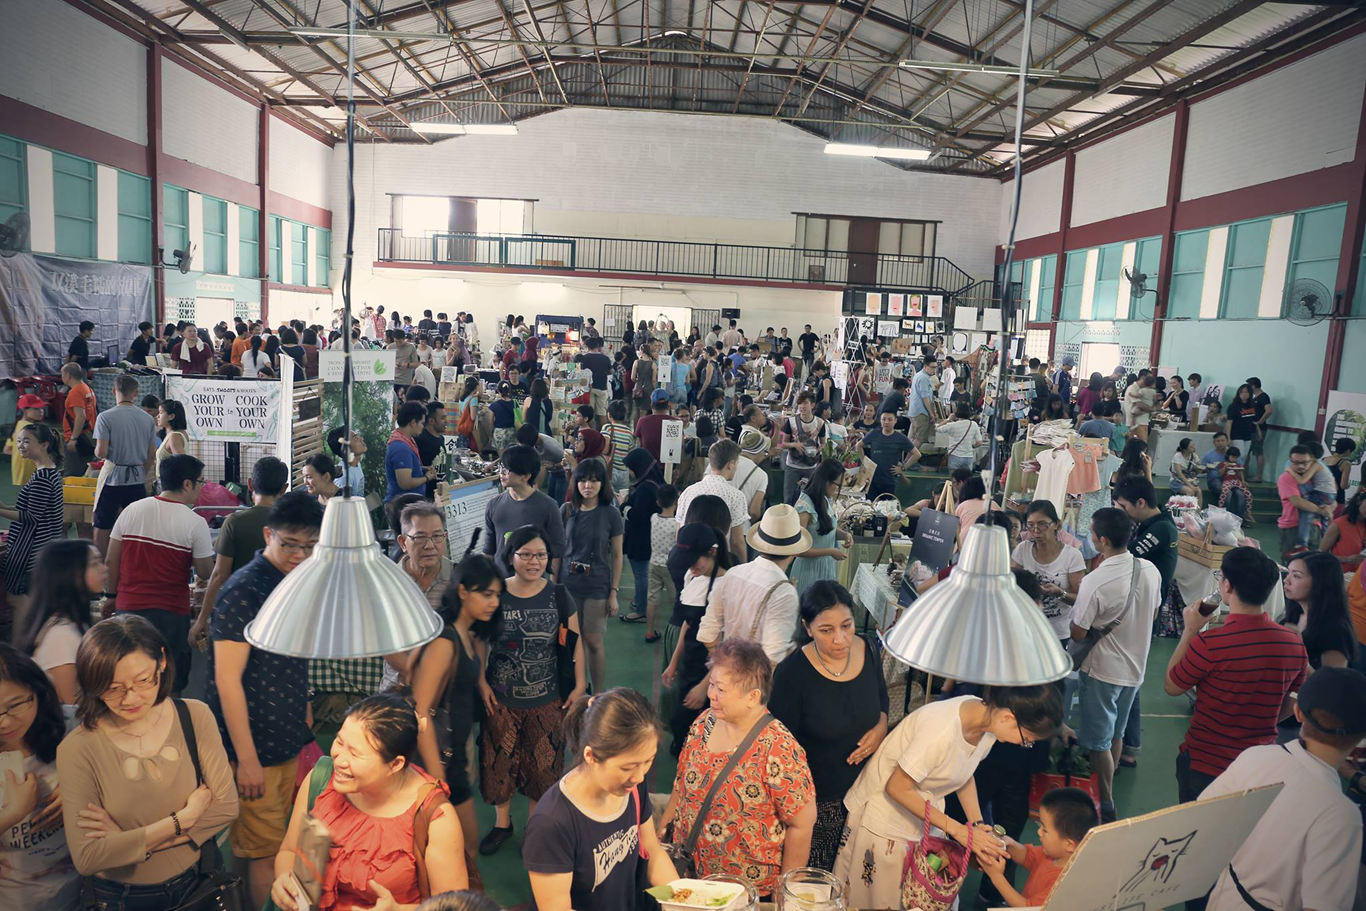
1189 250
1043 307
1244 267
1316 245
175 220
298 254
1073 278
322 259
215 236
74 199
274 239
248 242
1109 274
1148 260
135 218
13 177
1359 299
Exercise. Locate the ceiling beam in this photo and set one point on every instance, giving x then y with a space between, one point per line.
834 54
753 58
593 32
540 35
811 46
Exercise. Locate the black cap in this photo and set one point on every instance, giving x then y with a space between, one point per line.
694 540
1336 691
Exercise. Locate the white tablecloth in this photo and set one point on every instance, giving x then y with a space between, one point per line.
1195 581
1162 446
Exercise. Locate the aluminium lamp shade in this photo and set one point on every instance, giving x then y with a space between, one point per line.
348 600
978 626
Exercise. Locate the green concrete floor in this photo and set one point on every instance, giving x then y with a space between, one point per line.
633 663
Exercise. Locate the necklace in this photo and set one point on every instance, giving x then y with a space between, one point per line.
838 673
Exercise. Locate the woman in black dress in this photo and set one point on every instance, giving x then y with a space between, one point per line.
445 675
831 695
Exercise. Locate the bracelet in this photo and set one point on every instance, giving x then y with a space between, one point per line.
176 820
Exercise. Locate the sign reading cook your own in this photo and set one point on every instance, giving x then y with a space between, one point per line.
228 410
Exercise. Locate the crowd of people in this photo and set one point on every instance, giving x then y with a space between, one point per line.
776 707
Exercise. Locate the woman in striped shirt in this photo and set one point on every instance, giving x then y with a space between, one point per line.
36 516
620 441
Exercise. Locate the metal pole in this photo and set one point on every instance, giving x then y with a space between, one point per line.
348 375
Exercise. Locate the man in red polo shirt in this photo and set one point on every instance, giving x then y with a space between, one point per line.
1243 672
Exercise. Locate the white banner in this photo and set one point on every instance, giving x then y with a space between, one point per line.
232 411
671 442
368 366
284 435
1346 420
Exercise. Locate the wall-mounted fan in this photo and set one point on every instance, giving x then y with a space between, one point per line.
183 258
1307 302
14 234
1138 282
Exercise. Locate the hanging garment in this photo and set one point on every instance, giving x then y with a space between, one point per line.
1086 458
1099 499
1055 467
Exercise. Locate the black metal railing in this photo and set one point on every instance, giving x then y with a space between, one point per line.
530 252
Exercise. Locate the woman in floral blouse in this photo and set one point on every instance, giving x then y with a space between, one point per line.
761 819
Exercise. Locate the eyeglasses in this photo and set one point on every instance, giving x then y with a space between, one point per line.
1024 741
530 557
18 707
305 549
116 693
1038 526
424 540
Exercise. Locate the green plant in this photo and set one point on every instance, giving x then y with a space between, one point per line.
372 416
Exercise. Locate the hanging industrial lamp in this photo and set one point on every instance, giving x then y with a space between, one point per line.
347 600
977 626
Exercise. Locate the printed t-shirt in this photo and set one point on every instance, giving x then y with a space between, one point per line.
36 870
161 540
600 852
1067 561
523 667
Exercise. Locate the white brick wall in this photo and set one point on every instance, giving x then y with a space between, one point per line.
206 125
1123 175
656 169
1040 203
299 165
55 57
1293 121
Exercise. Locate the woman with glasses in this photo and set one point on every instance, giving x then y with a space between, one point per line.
931 754
533 671
60 613
1058 566
136 804
35 867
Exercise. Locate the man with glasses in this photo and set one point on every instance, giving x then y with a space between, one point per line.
259 698
422 540
1293 500
1118 601
153 547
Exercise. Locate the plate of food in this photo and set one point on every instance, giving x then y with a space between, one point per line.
691 894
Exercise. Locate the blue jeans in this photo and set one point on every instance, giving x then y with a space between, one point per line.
960 462
640 573
556 483
1308 519
115 896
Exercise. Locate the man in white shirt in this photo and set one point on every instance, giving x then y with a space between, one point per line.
732 337
1117 599
947 374
1306 851
750 477
756 600
723 458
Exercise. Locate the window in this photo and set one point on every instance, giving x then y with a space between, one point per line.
1317 246
248 242
175 219
215 257
1245 263
1073 278
499 216
1109 274
1041 307
424 216
275 229
73 197
298 254
1098 357
13 178
1188 274
1359 305
1147 260
135 218
322 259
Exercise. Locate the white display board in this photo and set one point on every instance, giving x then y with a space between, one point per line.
665 372
965 317
465 513
229 410
367 366
1346 419
671 442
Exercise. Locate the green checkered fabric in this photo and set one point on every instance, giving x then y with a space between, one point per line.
360 676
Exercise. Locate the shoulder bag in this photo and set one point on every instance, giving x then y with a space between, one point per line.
565 642
683 854
1080 650
763 606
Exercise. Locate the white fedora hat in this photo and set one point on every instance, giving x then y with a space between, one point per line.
780 533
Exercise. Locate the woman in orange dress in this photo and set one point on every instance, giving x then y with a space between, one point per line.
379 808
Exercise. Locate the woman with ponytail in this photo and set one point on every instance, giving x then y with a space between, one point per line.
592 829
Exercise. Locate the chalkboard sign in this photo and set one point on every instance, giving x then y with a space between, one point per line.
935 534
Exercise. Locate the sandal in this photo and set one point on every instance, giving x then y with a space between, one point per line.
632 618
652 638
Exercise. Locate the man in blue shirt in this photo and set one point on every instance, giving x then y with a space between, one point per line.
1211 462
259 698
892 451
402 463
922 399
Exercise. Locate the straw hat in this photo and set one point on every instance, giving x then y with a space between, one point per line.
780 533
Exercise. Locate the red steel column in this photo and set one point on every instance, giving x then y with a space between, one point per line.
1347 269
154 180
262 219
1059 274
1167 257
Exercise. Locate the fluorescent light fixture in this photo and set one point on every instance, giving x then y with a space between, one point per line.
945 66
449 129
492 129
844 148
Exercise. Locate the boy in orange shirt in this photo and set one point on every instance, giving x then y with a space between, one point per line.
1065 816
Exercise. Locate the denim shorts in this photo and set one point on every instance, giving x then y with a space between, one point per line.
1104 712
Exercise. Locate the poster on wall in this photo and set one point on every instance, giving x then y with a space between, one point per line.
965 318
874 304
372 405
908 325
888 328
934 306
1346 420
228 411
895 304
464 509
914 306
839 372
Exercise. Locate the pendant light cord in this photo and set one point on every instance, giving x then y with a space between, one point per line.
1007 303
348 375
